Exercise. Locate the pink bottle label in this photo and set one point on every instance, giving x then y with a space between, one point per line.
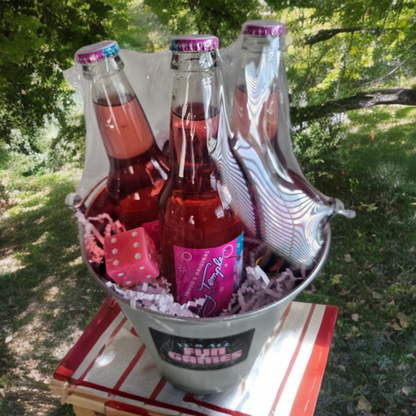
210 273
152 228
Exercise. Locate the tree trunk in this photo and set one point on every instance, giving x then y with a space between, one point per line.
401 96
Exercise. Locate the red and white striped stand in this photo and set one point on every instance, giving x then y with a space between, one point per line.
110 372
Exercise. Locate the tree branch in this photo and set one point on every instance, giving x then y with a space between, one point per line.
325 34
375 81
401 96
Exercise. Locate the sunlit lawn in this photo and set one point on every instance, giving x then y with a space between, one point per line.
371 271
46 294
47 297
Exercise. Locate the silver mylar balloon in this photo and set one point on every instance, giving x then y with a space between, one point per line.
255 157
288 211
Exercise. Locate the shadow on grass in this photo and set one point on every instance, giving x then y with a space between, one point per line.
46 293
44 241
387 159
380 184
10 405
371 270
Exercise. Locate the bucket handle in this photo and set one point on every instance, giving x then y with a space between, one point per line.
76 202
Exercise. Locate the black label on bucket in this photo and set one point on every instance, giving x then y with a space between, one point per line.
202 353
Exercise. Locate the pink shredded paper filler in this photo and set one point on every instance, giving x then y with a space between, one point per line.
256 291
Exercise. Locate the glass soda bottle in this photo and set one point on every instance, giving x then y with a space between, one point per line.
138 168
261 110
291 215
201 236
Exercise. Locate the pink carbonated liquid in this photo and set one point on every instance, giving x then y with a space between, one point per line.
137 166
192 215
250 115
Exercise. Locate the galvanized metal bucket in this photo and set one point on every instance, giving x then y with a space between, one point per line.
199 355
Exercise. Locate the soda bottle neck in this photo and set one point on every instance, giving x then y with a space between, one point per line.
123 125
194 61
104 68
194 116
194 79
260 56
109 81
258 44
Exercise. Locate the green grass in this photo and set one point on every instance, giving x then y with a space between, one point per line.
47 297
371 271
46 294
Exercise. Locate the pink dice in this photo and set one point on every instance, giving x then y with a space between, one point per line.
131 257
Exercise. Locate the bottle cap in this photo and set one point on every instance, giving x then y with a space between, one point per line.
194 43
97 52
263 28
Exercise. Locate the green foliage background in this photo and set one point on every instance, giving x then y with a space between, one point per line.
39 39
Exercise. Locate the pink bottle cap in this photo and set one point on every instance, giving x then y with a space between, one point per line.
194 43
263 28
97 52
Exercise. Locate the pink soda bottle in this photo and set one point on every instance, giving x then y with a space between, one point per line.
138 168
256 100
261 110
257 114
201 236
